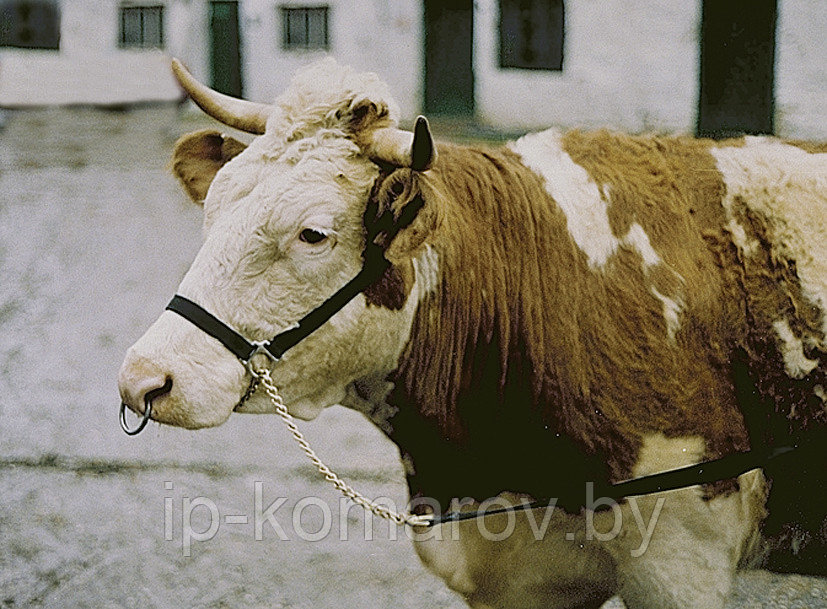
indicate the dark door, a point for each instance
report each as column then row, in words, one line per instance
column 225, row 48
column 449, row 76
column 737, row 61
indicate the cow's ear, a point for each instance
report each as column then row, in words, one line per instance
column 198, row 156
column 395, row 197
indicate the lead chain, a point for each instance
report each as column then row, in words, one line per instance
column 251, row 389
column 264, row 380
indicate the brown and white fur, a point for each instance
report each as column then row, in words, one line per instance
column 571, row 307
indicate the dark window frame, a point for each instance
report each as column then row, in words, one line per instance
column 142, row 10
column 16, row 31
column 301, row 40
column 516, row 48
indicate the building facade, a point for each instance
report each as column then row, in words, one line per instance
column 709, row 66
column 101, row 52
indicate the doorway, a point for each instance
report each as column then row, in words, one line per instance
column 737, row 67
column 449, row 40
column 225, row 48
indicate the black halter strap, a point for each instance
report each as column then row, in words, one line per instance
column 375, row 264
column 277, row 346
column 213, row 326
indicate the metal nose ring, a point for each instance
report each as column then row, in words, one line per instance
column 147, row 415
column 151, row 395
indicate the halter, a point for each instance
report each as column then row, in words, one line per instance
column 275, row 348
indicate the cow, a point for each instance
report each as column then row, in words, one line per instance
column 569, row 309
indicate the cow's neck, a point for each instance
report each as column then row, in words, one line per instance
column 475, row 402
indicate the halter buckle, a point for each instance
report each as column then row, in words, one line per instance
column 260, row 349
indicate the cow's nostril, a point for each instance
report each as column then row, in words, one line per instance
column 140, row 380
column 159, row 391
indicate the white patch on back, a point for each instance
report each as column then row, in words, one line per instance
column 585, row 205
column 671, row 313
column 787, row 186
column 638, row 240
column 796, row 363
column 746, row 244
column 576, row 194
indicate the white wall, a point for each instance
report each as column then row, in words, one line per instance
column 89, row 68
column 801, row 69
column 188, row 29
column 629, row 64
column 381, row 36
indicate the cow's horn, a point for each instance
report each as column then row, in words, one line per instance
column 423, row 151
column 403, row 148
column 237, row 113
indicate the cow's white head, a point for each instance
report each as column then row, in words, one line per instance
column 285, row 227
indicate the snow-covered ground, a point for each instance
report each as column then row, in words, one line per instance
column 94, row 237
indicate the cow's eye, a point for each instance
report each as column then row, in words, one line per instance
column 311, row 236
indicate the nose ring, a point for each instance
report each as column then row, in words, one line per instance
column 151, row 395
column 144, row 420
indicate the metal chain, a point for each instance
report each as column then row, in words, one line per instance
column 251, row 389
column 264, row 380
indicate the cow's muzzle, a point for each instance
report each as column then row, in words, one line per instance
column 147, row 414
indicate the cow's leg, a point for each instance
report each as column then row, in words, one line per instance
column 694, row 547
column 672, row 576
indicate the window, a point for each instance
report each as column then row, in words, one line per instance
column 142, row 27
column 305, row 28
column 29, row 24
column 531, row 34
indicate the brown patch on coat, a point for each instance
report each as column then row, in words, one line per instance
column 393, row 287
column 785, row 411
column 670, row 184
column 198, row 156
column 771, row 291
column 392, row 194
column 670, row 187
column 757, row 290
